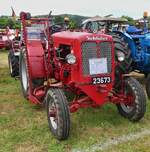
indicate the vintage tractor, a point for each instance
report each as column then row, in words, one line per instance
column 4, row 39
column 53, row 62
column 139, row 42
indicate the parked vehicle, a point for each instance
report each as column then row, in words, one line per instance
column 53, row 61
column 4, row 39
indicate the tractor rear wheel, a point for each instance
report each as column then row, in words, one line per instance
column 23, row 74
column 123, row 66
column 13, row 62
column 148, row 86
column 135, row 110
column 58, row 113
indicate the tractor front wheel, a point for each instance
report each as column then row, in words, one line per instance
column 58, row 113
column 135, row 110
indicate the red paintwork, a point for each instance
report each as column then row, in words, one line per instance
column 75, row 39
column 36, row 59
column 39, row 59
column 2, row 44
column 5, row 40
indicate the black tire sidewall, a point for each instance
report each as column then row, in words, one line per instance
column 13, row 62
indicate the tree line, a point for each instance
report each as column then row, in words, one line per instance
column 75, row 21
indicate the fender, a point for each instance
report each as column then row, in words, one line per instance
column 35, row 53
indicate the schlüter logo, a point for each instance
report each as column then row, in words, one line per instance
column 95, row 38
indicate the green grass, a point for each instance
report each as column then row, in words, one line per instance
column 24, row 127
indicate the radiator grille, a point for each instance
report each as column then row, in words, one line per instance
column 93, row 50
column 105, row 51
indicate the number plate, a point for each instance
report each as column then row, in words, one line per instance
column 101, row 80
column 98, row 66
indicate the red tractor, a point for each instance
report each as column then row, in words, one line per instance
column 53, row 61
column 4, row 39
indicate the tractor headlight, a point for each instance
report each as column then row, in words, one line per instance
column 121, row 56
column 71, row 59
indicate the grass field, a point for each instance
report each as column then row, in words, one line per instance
column 24, row 127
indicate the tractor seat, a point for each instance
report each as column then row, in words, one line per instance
column 134, row 30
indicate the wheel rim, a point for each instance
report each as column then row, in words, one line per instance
column 53, row 115
column 24, row 75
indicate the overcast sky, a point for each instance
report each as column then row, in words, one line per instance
column 133, row 8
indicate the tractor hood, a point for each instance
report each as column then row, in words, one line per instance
column 81, row 36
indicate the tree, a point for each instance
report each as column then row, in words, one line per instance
column 58, row 19
column 5, row 21
column 130, row 20
column 72, row 24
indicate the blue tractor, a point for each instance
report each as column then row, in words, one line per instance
column 139, row 44
column 137, row 39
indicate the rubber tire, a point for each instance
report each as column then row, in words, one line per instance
column 139, row 108
column 147, row 85
column 21, row 61
column 124, row 67
column 63, row 125
column 13, row 62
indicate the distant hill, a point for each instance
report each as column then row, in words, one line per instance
column 77, row 18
